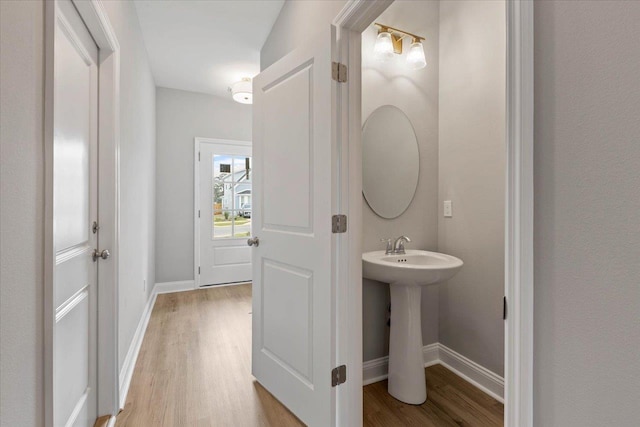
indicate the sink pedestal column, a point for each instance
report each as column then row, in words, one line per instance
column 406, row 364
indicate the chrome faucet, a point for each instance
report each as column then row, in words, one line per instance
column 398, row 245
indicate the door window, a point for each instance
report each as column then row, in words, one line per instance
column 231, row 198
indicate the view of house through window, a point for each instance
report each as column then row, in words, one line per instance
column 231, row 196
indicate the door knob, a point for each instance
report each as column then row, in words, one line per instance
column 104, row 254
column 253, row 241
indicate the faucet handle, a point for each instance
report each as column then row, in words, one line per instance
column 389, row 248
column 398, row 245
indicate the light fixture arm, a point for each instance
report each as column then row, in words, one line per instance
column 392, row 30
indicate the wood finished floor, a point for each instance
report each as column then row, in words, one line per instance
column 194, row 369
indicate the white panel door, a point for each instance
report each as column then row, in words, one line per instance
column 74, row 210
column 293, row 299
column 225, row 192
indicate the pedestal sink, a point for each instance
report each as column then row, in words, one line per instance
column 406, row 275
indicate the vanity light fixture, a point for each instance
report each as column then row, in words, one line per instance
column 242, row 91
column 389, row 42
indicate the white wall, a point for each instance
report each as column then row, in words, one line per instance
column 137, row 172
column 416, row 93
column 298, row 20
column 21, row 213
column 587, row 213
column 182, row 116
column 22, row 206
column 472, row 175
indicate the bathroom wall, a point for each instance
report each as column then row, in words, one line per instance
column 416, row 93
column 182, row 116
column 472, row 175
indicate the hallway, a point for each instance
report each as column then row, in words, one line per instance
column 194, row 367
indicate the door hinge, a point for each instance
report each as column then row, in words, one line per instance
column 198, row 270
column 339, row 223
column 198, row 213
column 339, row 72
column 504, row 308
column 95, row 227
column 338, row 375
column 198, row 156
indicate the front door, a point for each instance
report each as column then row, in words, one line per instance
column 75, row 205
column 293, row 287
column 224, row 178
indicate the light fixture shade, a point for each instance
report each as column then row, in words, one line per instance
column 242, row 91
column 383, row 49
column 415, row 57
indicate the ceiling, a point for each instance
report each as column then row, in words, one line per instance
column 205, row 46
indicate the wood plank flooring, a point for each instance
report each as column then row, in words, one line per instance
column 451, row 401
column 194, row 369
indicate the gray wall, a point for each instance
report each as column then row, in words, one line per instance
column 472, row 176
column 182, row 116
column 22, row 207
column 297, row 21
column 416, row 93
column 137, row 172
column 587, row 213
column 21, row 213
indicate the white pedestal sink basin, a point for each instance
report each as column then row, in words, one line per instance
column 406, row 274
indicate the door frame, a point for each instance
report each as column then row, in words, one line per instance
column 196, row 196
column 100, row 28
column 354, row 18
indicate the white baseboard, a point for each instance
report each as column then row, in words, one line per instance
column 112, row 422
column 134, row 348
column 168, row 287
column 487, row 381
column 132, row 355
column 376, row 370
column 482, row 378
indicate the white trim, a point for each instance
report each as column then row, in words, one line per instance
column 433, row 354
column 93, row 14
column 481, row 377
column 112, row 421
column 196, row 195
column 519, row 216
column 129, row 364
column 169, row 287
column 376, row 370
column 350, row 22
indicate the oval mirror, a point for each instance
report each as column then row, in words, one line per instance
column 391, row 161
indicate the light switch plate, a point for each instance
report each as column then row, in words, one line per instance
column 448, row 209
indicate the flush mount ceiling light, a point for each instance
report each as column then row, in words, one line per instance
column 242, row 91
column 389, row 42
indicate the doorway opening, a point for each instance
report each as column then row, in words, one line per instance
column 433, row 166
column 518, row 229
